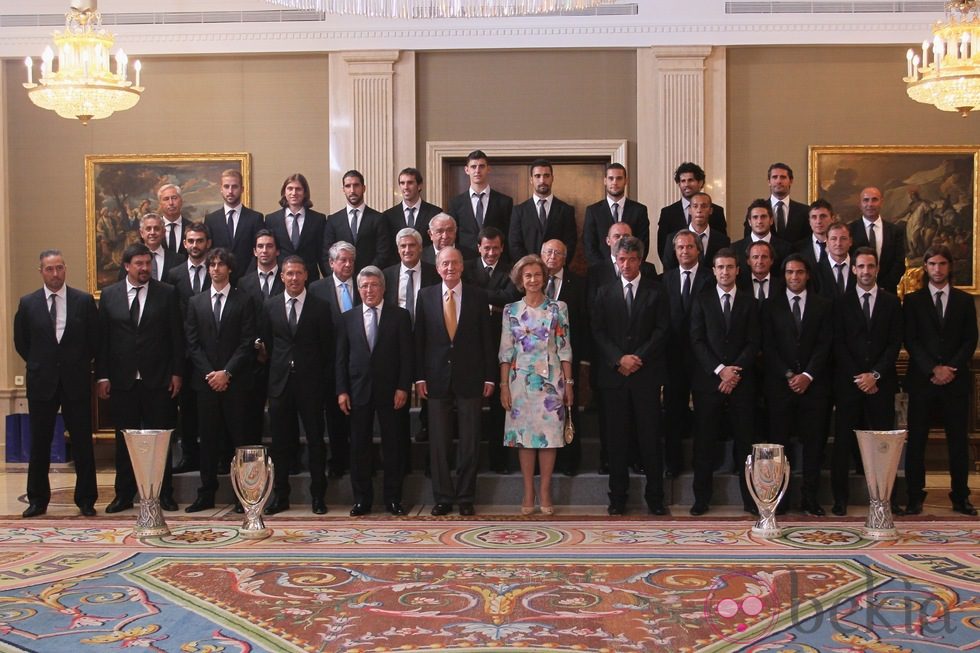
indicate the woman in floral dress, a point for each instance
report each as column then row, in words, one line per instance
column 535, row 361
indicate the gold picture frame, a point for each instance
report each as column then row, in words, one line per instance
column 931, row 190
column 120, row 188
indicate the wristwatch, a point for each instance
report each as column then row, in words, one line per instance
column 875, row 375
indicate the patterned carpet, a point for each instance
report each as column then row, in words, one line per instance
column 600, row 585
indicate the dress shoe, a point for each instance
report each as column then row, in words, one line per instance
column 699, row 508
column 813, row 509
column 185, row 465
column 88, row 510
column 503, row 470
column 547, row 511
column 964, row 507
column 395, row 508
column 200, row 503
column 224, row 467
column 752, row 509
column 360, row 509
column 669, row 473
column 897, row 510
column 839, row 509
column 638, row 468
column 914, row 508
column 318, row 506
column 466, row 509
column 276, row 505
column 168, row 504
column 604, row 468
column 336, row 472
column 34, row 510
column 422, row 435
column 657, row 509
column 239, row 509
column 571, row 470
column 616, row 509
column 118, row 505
column 528, row 510
column 441, row 509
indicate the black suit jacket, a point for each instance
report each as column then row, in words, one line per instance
column 429, row 278
column 374, row 244
column 251, row 285
column 825, row 280
column 51, row 363
column 930, row 343
column 786, row 352
column 429, row 253
column 781, row 247
column 891, row 267
column 395, row 218
column 858, row 349
column 527, row 235
column 250, row 222
column 229, row 346
column 498, row 286
column 716, row 240
column 368, row 375
column 458, row 367
column 797, row 223
column 713, row 345
column 499, row 209
column 673, row 219
column 679, row 348
column 310, row 241
column 155, row 348
column 181, row 252
column 642, row 332
column 179, row 277
column 307, row 355
column 574, row 292
column 598, row 219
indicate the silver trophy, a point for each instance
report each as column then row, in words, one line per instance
column 880, row 455
column 252, row 473
column 148, row 451
column 767, row 477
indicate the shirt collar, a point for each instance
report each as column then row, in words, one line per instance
column 693, row 270
column 300, row 298
column 130, row 286
column 934, row 289
column 868, row 223
column 237, row 209
column 767, row 238
column 790, row 295
column 360, row 208
column 731, row 293
column 337, row 281
column 417, row 267
column 456, row 291
column 476, row 193
column 274, row 271
column 365, row 308
column 873, row 291
column 406, row 206
column 62, row 293
column 223, row 292
column 299, row 214
column 635, row 282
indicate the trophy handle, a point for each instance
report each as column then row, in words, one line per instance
column 748, row 480
column 234, row 476
column 269, row 480
column 784, row 483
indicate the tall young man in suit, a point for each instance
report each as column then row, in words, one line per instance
column 941, row 336
column 479, row 206
column 836, row 277
column 360, row 225
column 759, row 217
column 790, row 218
column 614, row 207
column 375, row 365
column 456, row 366
column 56, row 332
column 887, row 239
column 298, row 336
column 690, row 179
column 711, row 239
column 140, row 364
column 867, row 338
column 170, row 206
column 234, row 226
column 412, row 212
column 814, row 249
column 220, row 327
column 541, row 217
column 630, row 323
column 297, row 227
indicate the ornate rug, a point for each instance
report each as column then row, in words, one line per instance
column 601, row 586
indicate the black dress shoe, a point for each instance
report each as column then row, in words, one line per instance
column 441, row 509
column 34, row 510
column 336, row 472
column 395, row 508
column 638, row 468
column 318, row 506
column 699, row 508
column 422, row 435
column 88, row 510
column 186, row 465
column 360, row 509
column 839, row 509
column 571, row 470
column 897, row 510
column 276, row 505
column 657, row 509
column 669, row 473
column 752, row 509
column 964, row 507
column 466, row 509
column 168, row 504
column 604, row 468
column 200, row 504
column 239, row 509
column 813, row 509
column 616, row 509
column 118, row 505
column 914, row 508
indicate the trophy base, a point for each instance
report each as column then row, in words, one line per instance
column 880, row 533
column 143, row 532
column 259, row 534
column 767, row 532
column 150, row 521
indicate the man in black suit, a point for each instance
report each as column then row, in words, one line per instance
column 298, row 339
column 170, row 205
column 725, row 341
column 797, row 333
column 867, row 338
column 375, row 364
column 161, row 258
column 140, row 363
column 491, row 272
column 220, row 327
column 442, row 234
column 234, row 226
column 479, row 206
column 456, row 366
column 542, row 217
column 689, row 178
column 614, row 207
column 940, row 335
column 762, row 282
column 835, row 277
column 297, row 227
column 359, row 225
column 56, row 332
column 682, row 285
column 759, row 217
column 630, row 323
column 886, row 238
column 814, row 249
column 790, row 218
column 412, row 212
column 712, row 240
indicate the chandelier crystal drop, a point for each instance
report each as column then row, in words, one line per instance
column 949, row 76
column 82, row 85
column 442, row 8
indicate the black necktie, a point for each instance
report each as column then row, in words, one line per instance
column 353, row 223
column 172, row 238
column 872, row 238
column 823, row 251
column 134, row 308
column 542, row 216
column 841, row 286
column 797, row 315
column 686, row 290
column 615, row 211
column 217, row 309
column 54, row 313
column 726, row 310
column 760, row 292
column 939, row 306
column 410, row 294
column 629, row 298
column 294, row 236
column 231, row 225
column 293, row 320
column 780, row 217
column 479, row 208
column 867, row 309
column 196, row 281
column 410, row 220
column 265, row 282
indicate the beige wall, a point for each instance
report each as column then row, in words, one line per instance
column 783, row 99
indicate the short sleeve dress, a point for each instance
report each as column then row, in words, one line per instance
column 535, row 341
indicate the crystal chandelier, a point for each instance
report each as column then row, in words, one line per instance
column 83, row 86
column 442, row 8
column 950, row 79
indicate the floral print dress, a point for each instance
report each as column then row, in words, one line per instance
column 534, row 341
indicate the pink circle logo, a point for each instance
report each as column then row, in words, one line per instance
column 741, row 608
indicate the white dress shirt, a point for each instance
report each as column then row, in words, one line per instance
column 61, row 305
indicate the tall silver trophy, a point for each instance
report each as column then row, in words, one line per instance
column 767, row 477
column 252, row 474
column 881, row 452
column 148, row 451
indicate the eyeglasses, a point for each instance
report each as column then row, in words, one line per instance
column 552, row 252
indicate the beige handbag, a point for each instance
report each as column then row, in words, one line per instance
column 569, row 426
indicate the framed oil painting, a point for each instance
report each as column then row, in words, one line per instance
column 119, row 189
column 931, row 191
